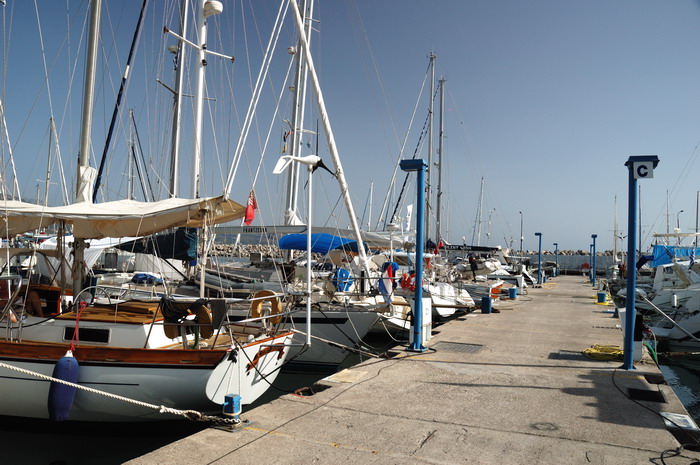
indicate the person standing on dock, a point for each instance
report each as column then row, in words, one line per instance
column 473, row 265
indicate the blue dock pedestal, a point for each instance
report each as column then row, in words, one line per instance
column 486, row 304
column 512, row 292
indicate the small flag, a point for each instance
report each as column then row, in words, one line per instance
column 407, row 219
column 437, row 249
column 250, row 208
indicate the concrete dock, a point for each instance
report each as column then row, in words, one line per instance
column 503, row 388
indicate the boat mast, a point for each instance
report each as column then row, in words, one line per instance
column 438, row 229
column 297, row 122
column 697, row 209
column 88, row 102
column 199, row 97
column 130, row 165
column 85, row 173
column 48, row 165
column 668, row 216
column 340, row 175
column 120, row 94
column 615, row 234
column 59, row 162
column 177, row 103
column 15, row 184
column 429, row 170
column 369, row 215
column 477, row 221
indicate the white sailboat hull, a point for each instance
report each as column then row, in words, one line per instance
column 139, row 375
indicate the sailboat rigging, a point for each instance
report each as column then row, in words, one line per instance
column 184, row 352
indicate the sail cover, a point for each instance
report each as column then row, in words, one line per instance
column 320, row 242
column 180, row 244
column 119, row 218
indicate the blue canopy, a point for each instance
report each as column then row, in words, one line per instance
column 320, row 242
column 663, row 254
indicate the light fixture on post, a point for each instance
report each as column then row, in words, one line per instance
column 521, row 237
column 417, row 333
column 593, row 266
column 638, row 167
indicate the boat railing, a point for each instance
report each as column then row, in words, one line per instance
column 10, row 288
column 671, row 320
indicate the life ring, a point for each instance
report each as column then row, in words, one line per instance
column 203, row 318
column 256, row 306
column 174, row 323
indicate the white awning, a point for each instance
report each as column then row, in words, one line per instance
column 119, row 218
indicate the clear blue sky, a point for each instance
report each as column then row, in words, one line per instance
column 545, row 100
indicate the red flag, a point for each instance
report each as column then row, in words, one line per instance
column 437, row 249
column 250, row 208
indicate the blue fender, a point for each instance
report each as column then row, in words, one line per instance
column 61, row 395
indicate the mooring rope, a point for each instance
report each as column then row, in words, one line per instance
column 193, row 415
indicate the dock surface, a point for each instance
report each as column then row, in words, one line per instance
column 503, row 388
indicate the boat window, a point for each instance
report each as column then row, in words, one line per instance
column 88, row 335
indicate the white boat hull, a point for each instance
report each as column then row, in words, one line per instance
column 180, row 384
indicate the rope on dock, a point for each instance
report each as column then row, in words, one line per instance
column 604, row 352
column 193, row 415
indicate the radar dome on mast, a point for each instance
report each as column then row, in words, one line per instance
column 213, row 7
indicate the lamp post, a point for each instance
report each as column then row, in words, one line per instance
column 593, row 266
column 420, row 167
column 521, row 237
column 590, row 262
column 556, row 259
column 678, row 221
column 539, row 260
column 639, row 167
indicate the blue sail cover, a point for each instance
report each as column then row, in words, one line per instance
column 664, row 254
column 320, row 243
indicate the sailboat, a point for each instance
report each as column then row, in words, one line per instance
column 126, row 360
column 340, row 320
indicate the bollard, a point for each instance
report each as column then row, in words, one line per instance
column 486, row 304
column 232, row 406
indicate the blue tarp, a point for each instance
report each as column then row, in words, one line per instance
column 320, row 242
column 663, row 254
